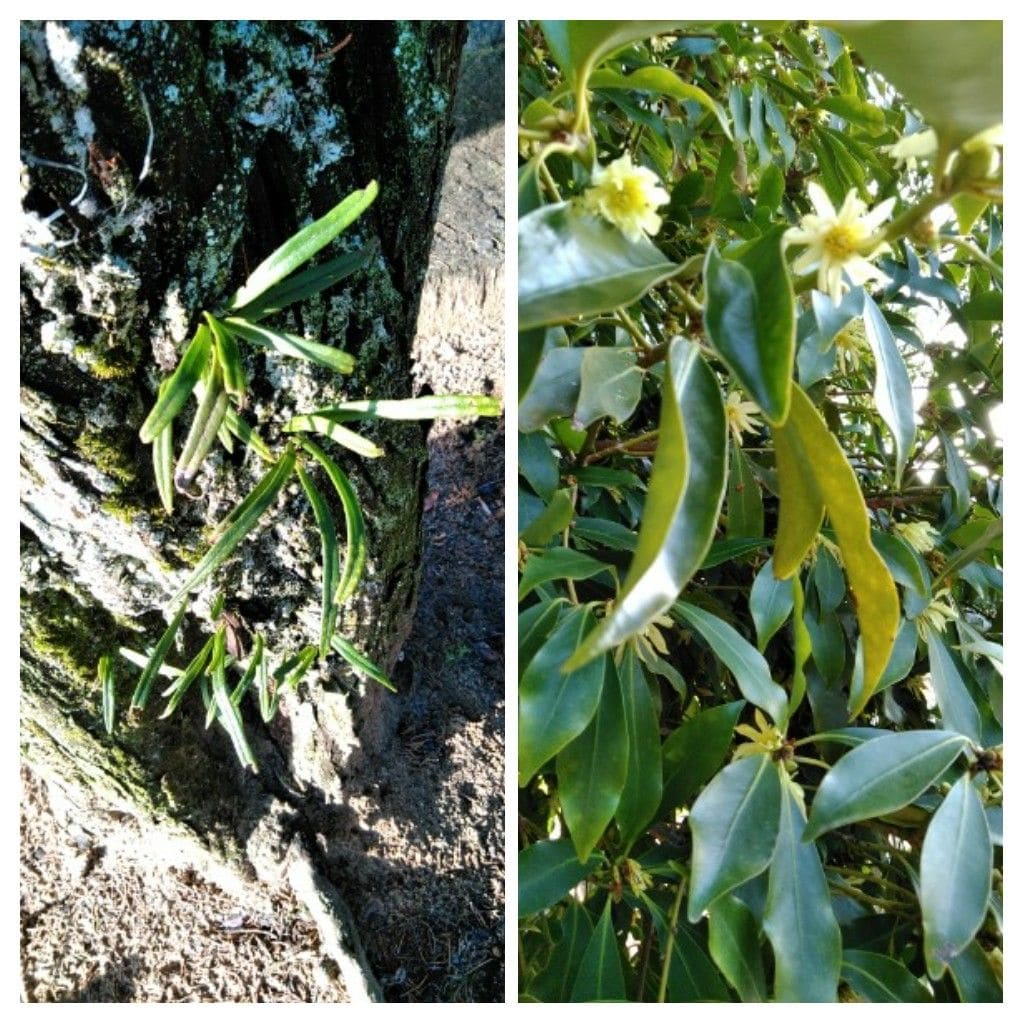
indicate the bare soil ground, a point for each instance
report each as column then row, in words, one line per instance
column 424, row 866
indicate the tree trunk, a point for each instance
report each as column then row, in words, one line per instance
column 161, row 162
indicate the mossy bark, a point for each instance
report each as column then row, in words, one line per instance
column 161, row 161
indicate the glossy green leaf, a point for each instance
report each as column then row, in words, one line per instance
column 959, row 712
column 246, row 434
column 533, row 628
column 828, row 580
column 974, row 978
column 429, row 407
column 903, row 562
column 798, row 917
column 953, row 73
column 250, row 510
column 530, row 196
column 744, row 506
column 681, row 511
column 641, row 790
column 303, row 245
column 828, row 645
column 904, row 654
column 958, row 477
column 694, row 752
column 802, row 647
column 880, row 776
column 558, row 564
column 989, row 539
column 163, row 460
column 855, row 110
column 733, row 940
column 574, row 263
column 579, row 46
column 722, row 551
column 750, row 319
column 530, row 348
column 592, row 769
column 331, row 428
column 734, row 823
column 556, row 706
column 108, row 694
column 880, row 979
column 547, row 871
column 228, row 356
column 555, row 389
column 956, row 875
column 801, row 506
column 771, row 188
column 361, row 663
column 893, row 396
column 179, row 385
column 551, row 519
column 538, row 464
column 330, row 566
column 742, row 659
column 600, row 977
column 305, row 284
column 771, row 602
column 554, row 982
column 604, row 533
column 291, row 345
column 661, row 82
column 355, row 526
column 824, row 475
column 610, row 383
column 156, row 659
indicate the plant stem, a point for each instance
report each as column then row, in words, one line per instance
column 621, row 446
column 670, row 942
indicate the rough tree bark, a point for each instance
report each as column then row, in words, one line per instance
column 160, row 162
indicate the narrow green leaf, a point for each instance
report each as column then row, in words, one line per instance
column 604, row 533
column 429, row 407
column 555, row 706
column 361, row 663
column 735, row 947
column 600, row 977
column 880, row 979
column 246, row 434
column 179, row 385
column 163, row 459
column 958, row 477
column 798, row 917
column 893, row 396
column 105, row 677
column 303, row 245
column 824, row 475
column 230, row 359
column 538, row 464
column 641, row 791
column 291, row 345
column 855, row 110
column 305, row 284
column 574, row 263
column 330, row 564
column 250, row 672
column 956, row 875
column 661, row 82
column 801, row 506
column 802, row 648
column 959, row 712
column 268, row 706
column 226, row 438
column 771, row 602
column 547, row 871
column 177, row 690
column 731, row 550
column 259, row 500
column 156, row 659
column 742, row 659
column 610, row 383
column 332, row 429
column 552, row 518
column 734, row 823
column 903, row 562
column 213, row 403
column 355, row 526
column 592, row 769
column 681, row 511
column 751, row 321
column 694, row 752
column 744, row 506
column 227, row 713
column 974, row 978
column 880, row 776
column 558, row 564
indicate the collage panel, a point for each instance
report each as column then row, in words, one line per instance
column 760, row 494
column 262, row 511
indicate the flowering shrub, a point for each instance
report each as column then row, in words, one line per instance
column 760, row 512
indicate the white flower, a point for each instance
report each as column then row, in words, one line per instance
column 851, row 343
column 836, row 241
column 627, row 196
column 741, row 416
column 919, row 535
column 936, row 615
column 910, row 148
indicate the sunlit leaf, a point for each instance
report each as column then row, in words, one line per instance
column 547, row 871
column 179, row 385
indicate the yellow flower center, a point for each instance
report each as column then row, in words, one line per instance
column 842, row 242
column 629, row 197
